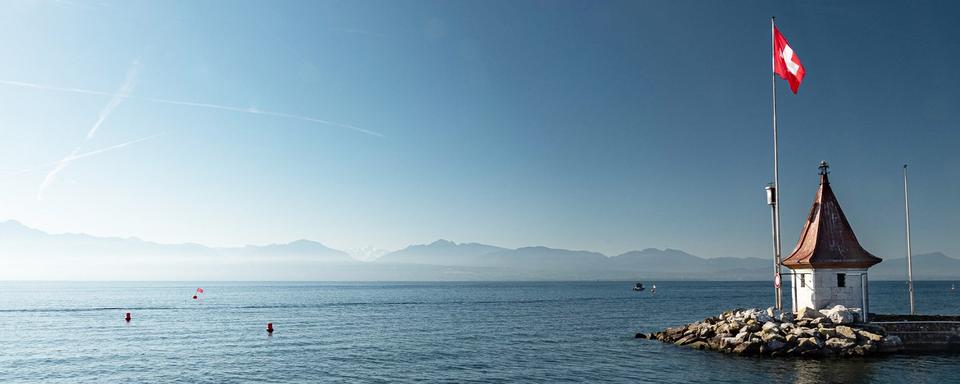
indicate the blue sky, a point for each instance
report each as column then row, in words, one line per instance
column 606, row 126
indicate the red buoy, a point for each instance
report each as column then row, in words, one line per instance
column 269, row 327
column 127, row 317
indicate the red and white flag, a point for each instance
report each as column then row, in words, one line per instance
column 785, row 61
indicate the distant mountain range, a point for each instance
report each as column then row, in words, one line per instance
column 31, row 254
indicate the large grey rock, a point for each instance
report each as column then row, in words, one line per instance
column 774, row 345
column 828, row 332
column 714, row 342
column 785, row 317
column 840, row 343
column 730, row 342
column 846, row 332
column 768, row 336
column 699, row 345
column 674, row 333
column 723, row 328
column 770, row 326
column 791, row 339
column 706, row 331
column 870, row 336
column 773, row 313
column 809, row 343
column 747, row 348
column 762, row 317
column 686, row 340
column 857, row 314
column 821, row 321
column 808, row 313
column 839, row 315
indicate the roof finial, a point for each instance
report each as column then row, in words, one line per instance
column 824, row 167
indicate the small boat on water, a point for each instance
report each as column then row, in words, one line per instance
column 638, row 287
column 653, row 289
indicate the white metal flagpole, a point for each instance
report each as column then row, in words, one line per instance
column 776, row 171
column 906, row 208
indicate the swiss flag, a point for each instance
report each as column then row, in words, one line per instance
column 785, row 61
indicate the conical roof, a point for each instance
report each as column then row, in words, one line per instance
column 827, row 241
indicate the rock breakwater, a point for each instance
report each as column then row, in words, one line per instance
column 771, row 332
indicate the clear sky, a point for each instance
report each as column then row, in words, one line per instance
column 595, row 125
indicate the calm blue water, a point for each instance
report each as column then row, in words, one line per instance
column 407, row 332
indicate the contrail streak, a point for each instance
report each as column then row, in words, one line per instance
column 255, row 111
column 75, row 156
column 115, row 100
column 112, row 147
column 52, row 88
column 52, row 175
column 124, row 94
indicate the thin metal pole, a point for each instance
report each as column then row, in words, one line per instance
column 906, row 207
column 773, row 223
column 793, row 290
column 866, row 296
column 864, row 305
column 776, row 168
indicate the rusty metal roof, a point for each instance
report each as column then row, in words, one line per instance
column 827, row 241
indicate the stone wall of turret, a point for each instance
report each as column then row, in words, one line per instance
column 820, row 289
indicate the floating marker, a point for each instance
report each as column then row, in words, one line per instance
column 269, row 327
column 194, row 297
column 127, row 317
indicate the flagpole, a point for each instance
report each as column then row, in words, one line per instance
column 906, row 207
column 776, row 170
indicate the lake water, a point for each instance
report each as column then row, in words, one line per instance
column 408, row 332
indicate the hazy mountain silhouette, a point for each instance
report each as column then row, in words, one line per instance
column 552, row 263
column 32, row 254
column 443, row 252
column 927, row 266
column 28, row 253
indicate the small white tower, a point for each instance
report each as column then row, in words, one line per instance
column 829, row 265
